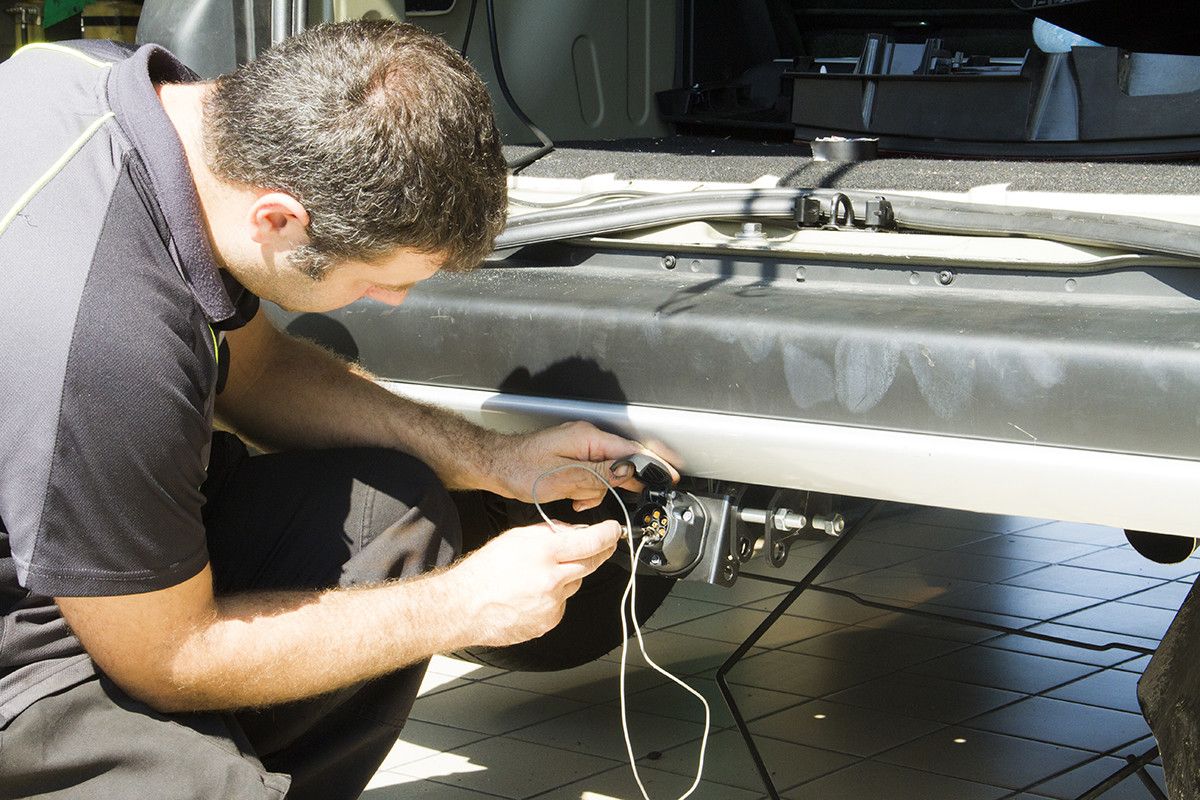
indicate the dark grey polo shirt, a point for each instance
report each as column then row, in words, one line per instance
column 110, row 312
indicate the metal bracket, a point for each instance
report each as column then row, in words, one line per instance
column 726, row 543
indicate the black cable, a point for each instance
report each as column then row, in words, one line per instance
column 470, row 24
column 547, row 147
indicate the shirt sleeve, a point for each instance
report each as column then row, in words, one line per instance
column 121, row 501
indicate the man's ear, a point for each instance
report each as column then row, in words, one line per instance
column 279, row 221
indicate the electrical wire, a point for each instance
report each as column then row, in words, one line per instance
column 462, row 51
column 518, row 164
column 629, row 603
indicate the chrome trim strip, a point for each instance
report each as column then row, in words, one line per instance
column 1126, row 491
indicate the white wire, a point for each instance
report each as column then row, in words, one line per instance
column 629, row 601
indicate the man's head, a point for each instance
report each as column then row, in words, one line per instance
column 381, row 137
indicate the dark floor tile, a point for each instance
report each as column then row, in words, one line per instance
column 914, row 534
column 1126, row 561
column 1017, row 601
column 867, row 554
column 847, row 729
column 1111, row 688
column 682, row 655
column 925, row 697
column 744, row 591
column 1078, row 781
column 1137, row 666
column 903, row 587
column 596, row 730
column 1078, row 532
column 872, row 645
column 728, row 761
column 507, row 767
column 669, row 700
column 871, row 779
column 618, row 784
column 930, row 627
column 1004, row 669
column 987, row 758
column 1030, row 548
column 595, row 682
column 967, row 520
column 488, row 708
column 676, row 609
column 1098, row 637
column 734, row 625
column 1168, row 595
column 1060, row 722
column 1065, row 652
column 1122, row 618
column 1083, row 582
column 968, row 566
column 803, row 674
column 820, row 605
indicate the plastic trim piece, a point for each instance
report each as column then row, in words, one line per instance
column 1125, row 491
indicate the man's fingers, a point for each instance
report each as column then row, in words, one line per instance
column 578, row 544
column 578, row 570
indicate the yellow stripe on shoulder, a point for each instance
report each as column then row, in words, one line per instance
column 71, row 51
column 54, row 169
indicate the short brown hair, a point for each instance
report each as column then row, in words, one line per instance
column 381, row 130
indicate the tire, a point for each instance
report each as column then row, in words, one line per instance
column 591, row 625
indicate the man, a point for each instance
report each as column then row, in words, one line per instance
column 184, row 623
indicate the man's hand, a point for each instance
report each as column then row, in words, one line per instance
column 523, row 458
column 519, row 582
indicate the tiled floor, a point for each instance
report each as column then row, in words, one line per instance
column 847, row 701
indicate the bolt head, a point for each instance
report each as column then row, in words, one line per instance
column 669, row 261
column 945, row 277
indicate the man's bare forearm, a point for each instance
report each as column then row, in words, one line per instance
column 247, row 654
column 293, row 394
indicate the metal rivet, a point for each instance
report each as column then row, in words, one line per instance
column 668, row 262
column 1070, row 284
column 914, row 278
column 801, row 274
column 695, row 266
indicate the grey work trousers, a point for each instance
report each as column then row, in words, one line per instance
column 303, row 520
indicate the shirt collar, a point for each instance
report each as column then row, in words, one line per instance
column 133, row 99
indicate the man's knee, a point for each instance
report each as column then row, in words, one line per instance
column 118, row 747
column 407, row 515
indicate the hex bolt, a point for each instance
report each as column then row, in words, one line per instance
column 832, row 525
column 669, row 261
column 946, row 277
column 787, row 520
column 750, row 230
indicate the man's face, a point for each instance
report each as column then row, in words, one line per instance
column 387, row 281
